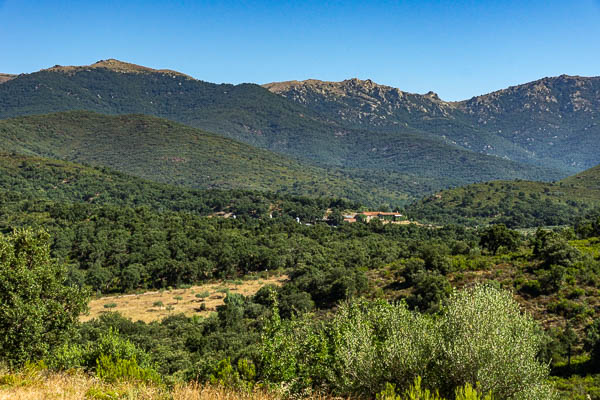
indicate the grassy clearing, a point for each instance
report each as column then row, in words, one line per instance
column 195, row 300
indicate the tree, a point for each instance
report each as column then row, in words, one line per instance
column 486, row 341
column 430, row 289
column 37, row 308
column 499, row 235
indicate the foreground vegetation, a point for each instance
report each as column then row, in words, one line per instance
column 272, row 339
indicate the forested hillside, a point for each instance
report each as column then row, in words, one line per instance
column 254, row 115
column 163, row 151
column 514, row 203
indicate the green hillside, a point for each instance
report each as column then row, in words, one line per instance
column 256, row 116
column 163, row 151
column 28, row 178
column 589, row 179
column 514, row 203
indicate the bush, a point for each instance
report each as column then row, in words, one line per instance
column 497, row 236
column 113, row 370
column 481, row 339
column 487, row 341
column 416, row 392
column 108, row 344
column 430, row 289
column 37, row 308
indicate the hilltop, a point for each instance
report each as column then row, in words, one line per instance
column 514, row 203
column 117, row 66
column 6, row 77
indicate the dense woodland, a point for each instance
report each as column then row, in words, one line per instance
column 115, row 248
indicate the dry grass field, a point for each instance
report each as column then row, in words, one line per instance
column 76, row 386
column 42, row 384
column 195, row 300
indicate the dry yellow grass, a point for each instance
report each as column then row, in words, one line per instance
column 77, row 385
column 142, row 307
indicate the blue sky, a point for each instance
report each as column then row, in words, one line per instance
column 456, row 48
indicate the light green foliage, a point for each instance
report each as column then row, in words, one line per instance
column 109, row 344
column 481, row 339
column 112, row 370
column 417, row 392
column 37, row 308
column 487, row 341
column 376, row 342
column 468, row 392
column 414, row 392
column 240, row 376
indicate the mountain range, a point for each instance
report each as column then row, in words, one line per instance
column 394, row 144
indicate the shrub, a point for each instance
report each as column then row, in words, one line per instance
column 37, row 308
column 113, row 370
column 497, row 236
column 430, row 289
column 487, row 341
column 480, row 339
column 109, row 344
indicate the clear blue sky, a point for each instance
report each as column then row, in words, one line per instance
column 456, row 48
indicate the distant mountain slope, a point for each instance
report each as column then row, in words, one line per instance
column 514, row 203
column 372, row 106
column 554, row 117
column 254, row 115
column 552, row 122
column 164, row 151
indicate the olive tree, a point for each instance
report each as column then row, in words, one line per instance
column 37, row 308
column 487, row 341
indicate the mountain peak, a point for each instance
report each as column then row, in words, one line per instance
column 6, row 77
column 116, row 66
column 326, row 86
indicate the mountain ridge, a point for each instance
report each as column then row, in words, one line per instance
column 116, row 66
column 6, row 77
column 253, row 115
column 523, row 122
